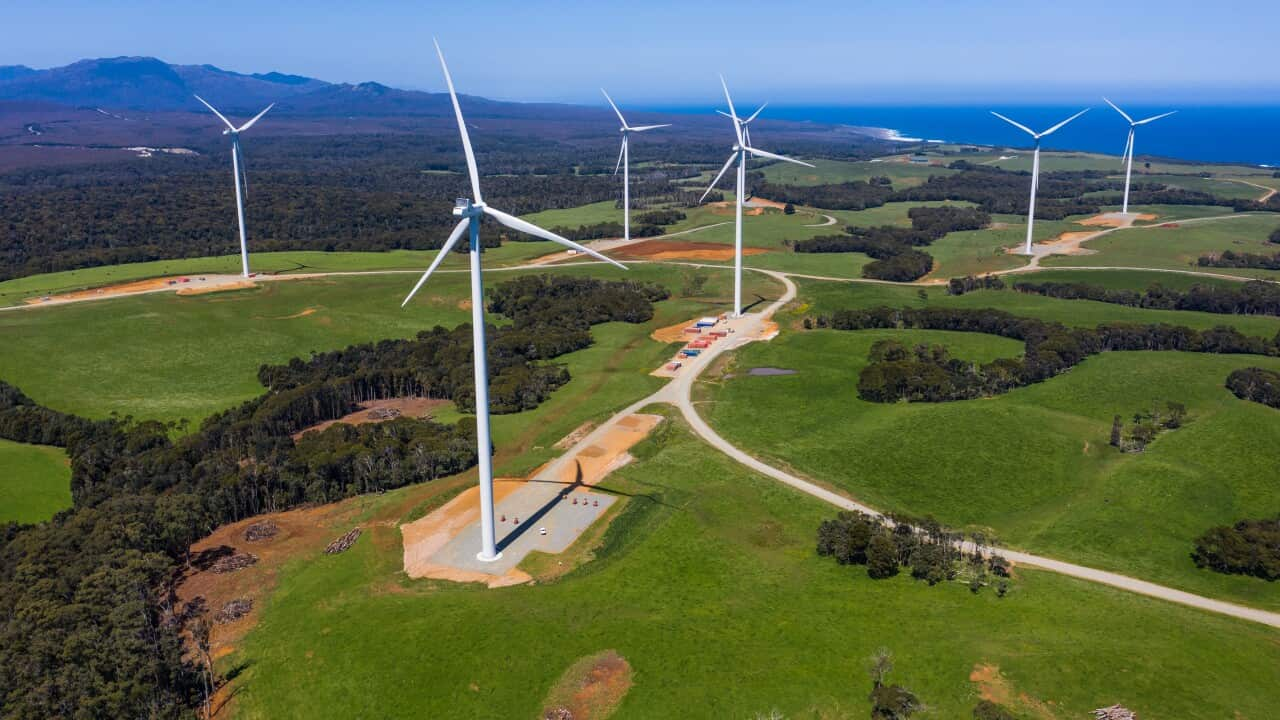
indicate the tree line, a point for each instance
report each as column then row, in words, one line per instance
column 893, row 248
column 1256, row 297
column 1233, row 259
column 929, row 374
column 89, row 622
column 884, row 546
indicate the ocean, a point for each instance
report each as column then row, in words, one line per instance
column 1211, row 134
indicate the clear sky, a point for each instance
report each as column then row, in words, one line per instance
column 657, row 52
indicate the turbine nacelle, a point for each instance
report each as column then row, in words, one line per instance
column 463, row 207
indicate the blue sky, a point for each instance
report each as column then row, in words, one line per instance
column 657, row 52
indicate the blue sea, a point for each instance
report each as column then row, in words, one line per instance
column 1215, row 134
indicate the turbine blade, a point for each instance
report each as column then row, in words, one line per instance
column 642, row 128
column 622, row 149
column 1128, row 147
column 615, row 107
column 771, row 156
column 724, row 113
column 712, row 186
column 1020, row 126
column 255, row 119
column 754, row 114
column 444, row 252
column 215, row 112
column 737, row 127
column 1157, row 117
column 1123, row 114
column 1057, row 127
column 746, row 134
column 516, row 223
column 462, row 128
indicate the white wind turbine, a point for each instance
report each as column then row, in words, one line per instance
column 624, row 162
column 1128, row 147
column 472, row 210
column 741, row 148
column 237, row 169
column 1035, row 165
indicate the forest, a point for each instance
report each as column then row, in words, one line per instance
column 349, row 194
column 1255, row 297
column 89, row 626
column 929, row 374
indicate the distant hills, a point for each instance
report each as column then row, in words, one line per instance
column 151, row 85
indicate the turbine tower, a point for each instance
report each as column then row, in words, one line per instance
column 238, row 171
column 471, row 211
column 1128, row 147
column 1035, row 165
column 741, row 149
column 624, row 162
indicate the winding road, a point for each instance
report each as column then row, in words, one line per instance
column 749, row 328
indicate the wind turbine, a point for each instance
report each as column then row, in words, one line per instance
column 624, row 162
column 237, row 170
column 1035, row 165
column 1128, row 147
column 472, row 210
column 741, row 148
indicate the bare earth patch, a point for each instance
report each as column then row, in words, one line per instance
column 727, row 208
column 677, row 250
column 221, row 287
column 1116, row 219
column 673, row 333
column 994, row 687
column 591, row 689
column 375, row 411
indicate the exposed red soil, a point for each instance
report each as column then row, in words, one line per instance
column 413, row 407
column 678, row 250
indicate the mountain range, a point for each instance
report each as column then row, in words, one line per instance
column 151, row 85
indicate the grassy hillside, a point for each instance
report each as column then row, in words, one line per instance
column 708, row 580
column 167, row 357
column 1032, row 465
column 35, row 482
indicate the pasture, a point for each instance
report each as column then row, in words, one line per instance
column 1033, row 465
column 1178, row 247
column 167, row 357
column 708, row 579
column 35, row 482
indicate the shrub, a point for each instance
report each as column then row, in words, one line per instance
column 1250, row 547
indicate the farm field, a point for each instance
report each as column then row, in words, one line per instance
column 35, row 482
column 825, row 172
column 1178, row 248
column 708, row 578
column 824, row 297
column 167, row 357
column 1033, row 465
column 14, row 292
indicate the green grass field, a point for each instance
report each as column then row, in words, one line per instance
column 824, row 297
column 167, row 357
column 13, row 292
column 35, row 482
column 1178, row 248
column 707, row 582
column 1033, row 465
column 827, row 172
